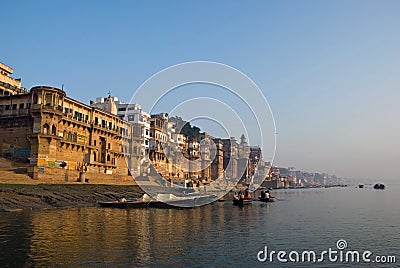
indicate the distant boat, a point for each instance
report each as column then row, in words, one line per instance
column 242, row 202
column 361, row 186
column 379, row 186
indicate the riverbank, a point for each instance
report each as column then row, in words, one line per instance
column 17, row 197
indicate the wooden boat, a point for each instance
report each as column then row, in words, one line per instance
column 131, row 204
column 265, row 199
column 242, row 202
column 163, row 201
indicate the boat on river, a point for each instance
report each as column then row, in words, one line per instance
column 130, row 204
column 266, row 199
column 160, row 201
column 242, row 202
column 379, row 186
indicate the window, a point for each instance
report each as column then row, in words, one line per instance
column 94, row 156
column 14, row 107
column 95, row 142
column 21, row 105
column 48, row 99
column 45, row 129
column 109, row 146
column 108, row 158
column 35, row 98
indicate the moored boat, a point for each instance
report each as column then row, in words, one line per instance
column 161, row 201
column 131, row 204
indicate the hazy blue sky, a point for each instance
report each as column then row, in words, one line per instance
column 330, row 69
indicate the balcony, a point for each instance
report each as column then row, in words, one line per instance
column 46, row 108
column 14, row 113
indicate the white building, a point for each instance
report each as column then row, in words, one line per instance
column 180, row 140
column 132, row 113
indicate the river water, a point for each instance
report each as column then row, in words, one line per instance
column 216, row 235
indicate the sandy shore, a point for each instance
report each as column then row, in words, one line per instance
column 17, row 197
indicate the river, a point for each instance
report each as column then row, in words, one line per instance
column 216, row 235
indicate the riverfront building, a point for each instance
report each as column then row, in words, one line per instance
column 63, row 139
column 60, row 136
column 8, row 85
column 139, row 122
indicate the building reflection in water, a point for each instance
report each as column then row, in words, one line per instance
column 127, row 237
column 15, row 239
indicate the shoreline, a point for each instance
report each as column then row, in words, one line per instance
column 20, row 197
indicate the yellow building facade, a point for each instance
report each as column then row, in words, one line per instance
column 56, row 133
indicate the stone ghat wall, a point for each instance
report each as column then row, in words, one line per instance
column 58, row 175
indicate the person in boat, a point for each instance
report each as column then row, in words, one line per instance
column 123, row 200
column 241, row 195
column 236, row 196
column 267, row 195
column 262, row 194
column 248, row 195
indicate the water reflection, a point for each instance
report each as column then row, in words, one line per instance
column 15, row 239
column 135, row 236
column 216, row 235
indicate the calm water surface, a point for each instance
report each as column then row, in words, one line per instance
column 217, row 235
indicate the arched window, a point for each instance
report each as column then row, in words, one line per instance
column 94, row 157
column 45, row 129
column 70, row 136
column 74, row 137
column 53, row 130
